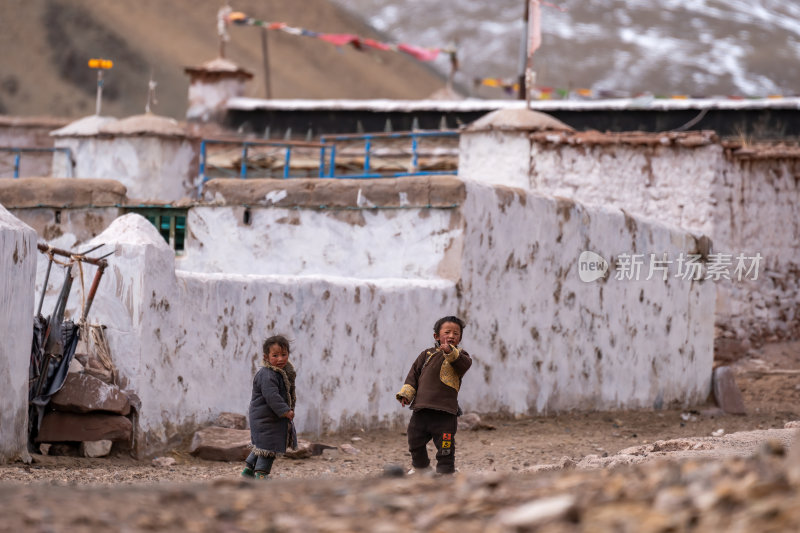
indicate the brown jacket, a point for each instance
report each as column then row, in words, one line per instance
column 435, row 378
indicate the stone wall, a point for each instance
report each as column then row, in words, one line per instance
column 64, row 212
column 154, row 169
column 18, row 267
column 689, row 180
column 188, row 343
column 29, row 132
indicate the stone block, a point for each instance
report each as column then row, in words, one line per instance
column 83, row 393
column 231, row 421
column 221, row 444
column 71, row 427
column 726, row 392
column 95, row 368
column 97, row 448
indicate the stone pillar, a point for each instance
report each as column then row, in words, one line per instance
column 211, row 85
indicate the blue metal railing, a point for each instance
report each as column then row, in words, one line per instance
column 327, row 154
column 368, row 139
column 288, row 146
column 19, row 151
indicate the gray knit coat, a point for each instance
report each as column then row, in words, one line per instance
column 273, row 396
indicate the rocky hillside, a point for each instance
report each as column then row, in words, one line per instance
column 46, row 45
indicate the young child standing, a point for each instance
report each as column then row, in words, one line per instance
column 431, row 389
column 271, row 409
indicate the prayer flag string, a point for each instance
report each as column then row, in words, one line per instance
column 340, row 39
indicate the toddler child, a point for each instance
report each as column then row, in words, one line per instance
column 431, row 389
column 271, row 409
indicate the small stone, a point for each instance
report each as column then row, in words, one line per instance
column 75, row 366
column 534, row 513
column 726, row 393
column 163, row 462
column 468, row 421
column 392, row 470
column 97, row 448
column 718, row 433
column 221, row 444
column 349, row 449
column 791, row 425
column 231, row 421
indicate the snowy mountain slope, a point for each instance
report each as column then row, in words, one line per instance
column 692, row 47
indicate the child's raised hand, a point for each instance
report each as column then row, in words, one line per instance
column 403, row 401
column 446, row 348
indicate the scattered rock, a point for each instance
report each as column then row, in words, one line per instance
column 472, row 421
column 163, row 462
column 221, row 444
column 393, row 471
column 792, row 424
column 726, row 393
column 71, row 427
column 231, row 421
column 303, row 450
column 349, row 449
column 793, row 459
column 64, row 449
column 98, row 448
column 536, row 512
column 75, row 366
column 94, row 367
column 718, row 433
column 468, row 421
column 83, row 393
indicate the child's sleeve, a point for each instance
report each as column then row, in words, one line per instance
column 409, row 389
column 459, row 360
column 272, row 395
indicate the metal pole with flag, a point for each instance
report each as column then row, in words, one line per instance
column 534, row 41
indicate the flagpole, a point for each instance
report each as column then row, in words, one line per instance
column 523, row 53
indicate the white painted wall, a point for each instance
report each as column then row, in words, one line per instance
column 18, row 267
column 188, row 343
column 393, row 243
column 208, row 100
column 158, row 169
column 546, row 341
column 745, row 207
column 495, row 157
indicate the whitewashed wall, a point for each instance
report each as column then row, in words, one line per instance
column 546, row 341
column 188, row 343
column 745, row 207
column 18, row 267
column 208, row 101
column 383, row 243
column 76, row 226
column 158, row 169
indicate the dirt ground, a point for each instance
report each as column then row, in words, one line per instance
column 328, row 492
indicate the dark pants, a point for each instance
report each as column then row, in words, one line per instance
column 427, row 424
column 259, row 463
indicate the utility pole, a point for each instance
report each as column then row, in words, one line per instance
column 265, row 59
column 100, row 65
column 523, row 53
column 222, row 27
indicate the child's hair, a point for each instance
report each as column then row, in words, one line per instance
column 280, row 340
column 453, row 319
